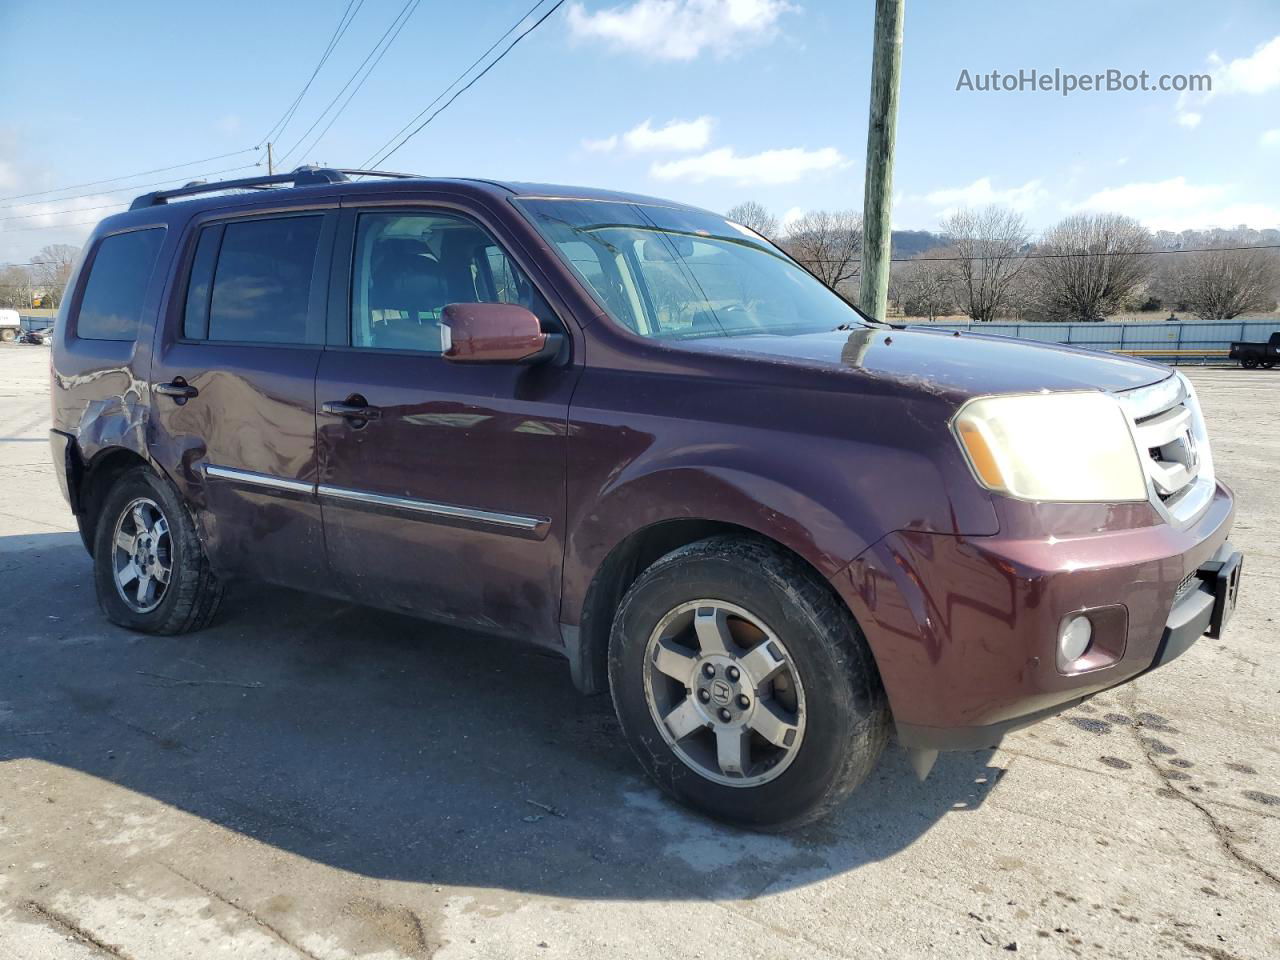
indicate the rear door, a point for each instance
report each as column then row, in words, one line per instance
column 451, row 502
column 233, row 396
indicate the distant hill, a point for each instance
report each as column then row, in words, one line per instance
column 908, row 243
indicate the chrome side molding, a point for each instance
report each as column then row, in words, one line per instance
column 511, row 521
column 252, row 479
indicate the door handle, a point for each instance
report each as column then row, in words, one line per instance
column 178, row 389
column 353, row 408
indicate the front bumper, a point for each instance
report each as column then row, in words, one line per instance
column 964, row 629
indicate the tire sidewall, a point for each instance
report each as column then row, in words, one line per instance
column 834, row 708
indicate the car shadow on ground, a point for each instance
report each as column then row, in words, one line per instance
column 398, row 749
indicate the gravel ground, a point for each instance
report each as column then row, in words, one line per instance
column 314, row 779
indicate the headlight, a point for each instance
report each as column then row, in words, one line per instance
column 1068, row 447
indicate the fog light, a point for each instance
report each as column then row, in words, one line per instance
column 1073, row 639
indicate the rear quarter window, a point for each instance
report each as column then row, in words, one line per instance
column 111, row 306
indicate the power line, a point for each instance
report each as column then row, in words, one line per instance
column 367, row 75
column 52, row 226
column 54, row 213
column 315, row 123
column 391, row 139
column 343, row 23
column 132, row 186
column 130, row 176
column 493, row 63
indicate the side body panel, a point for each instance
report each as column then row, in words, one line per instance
column 101, row 388
column 242, row 452
column 451, row 504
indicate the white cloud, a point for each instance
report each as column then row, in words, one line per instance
column 680, row 29
column 768, row 167
column 1176, row 204
column 1258, row 73
column 1255, row 74
column 676, row 135
column 789, row 218
column 981, row 193
column 606, row 145
column 1270, row 138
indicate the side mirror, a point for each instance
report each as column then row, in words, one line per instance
column 495, row 333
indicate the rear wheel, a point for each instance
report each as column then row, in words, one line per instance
column 8, row 335
column 1248, row 362
column 150, row 570
column 744, row 687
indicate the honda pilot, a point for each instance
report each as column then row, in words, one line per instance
column 776, row 531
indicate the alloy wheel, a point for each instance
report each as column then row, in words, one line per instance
column 724, row 693
column 142, row 555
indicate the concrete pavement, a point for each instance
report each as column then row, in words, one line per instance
column 314, row 779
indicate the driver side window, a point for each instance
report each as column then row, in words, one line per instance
column 409, row 266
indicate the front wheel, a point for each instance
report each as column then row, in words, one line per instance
column 744, row 686
column 150, row 569
column 1248, row 362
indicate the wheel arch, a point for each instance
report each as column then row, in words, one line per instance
column 96, row 477
column 587, row 643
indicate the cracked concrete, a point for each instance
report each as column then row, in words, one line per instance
column 311, row 779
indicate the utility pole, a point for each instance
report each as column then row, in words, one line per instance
column 877, row 225
column 270, row 165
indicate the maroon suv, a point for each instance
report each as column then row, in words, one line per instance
column 641, row 435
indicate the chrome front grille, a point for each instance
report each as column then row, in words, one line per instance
column 1169, row 431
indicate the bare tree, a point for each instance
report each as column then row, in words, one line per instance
column 990, row 247
column 1089, row 262
column 829, row 243
column 925, row 285
column 16, row 287
column 1219, row 284
column 756, row 216
column 53, row 269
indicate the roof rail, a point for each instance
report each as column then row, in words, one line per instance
column 301, row 177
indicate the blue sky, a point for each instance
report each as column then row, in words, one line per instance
column 768, row 99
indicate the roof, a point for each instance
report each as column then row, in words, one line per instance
column 172, row 206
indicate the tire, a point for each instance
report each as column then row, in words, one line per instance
column 829, row 690
column 189, row 598
column 8, row 335
column 1248, row 362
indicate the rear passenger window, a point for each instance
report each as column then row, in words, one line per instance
column 111, row 306
column 251, row 281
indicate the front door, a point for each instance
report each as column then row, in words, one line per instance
column 233, row 396
column 448, row 498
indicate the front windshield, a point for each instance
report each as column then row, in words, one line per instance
column 676, row 273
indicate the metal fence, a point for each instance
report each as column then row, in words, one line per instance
column 1183, row 341
column 27, row 322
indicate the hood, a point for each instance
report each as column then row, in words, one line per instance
column 968, row 364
